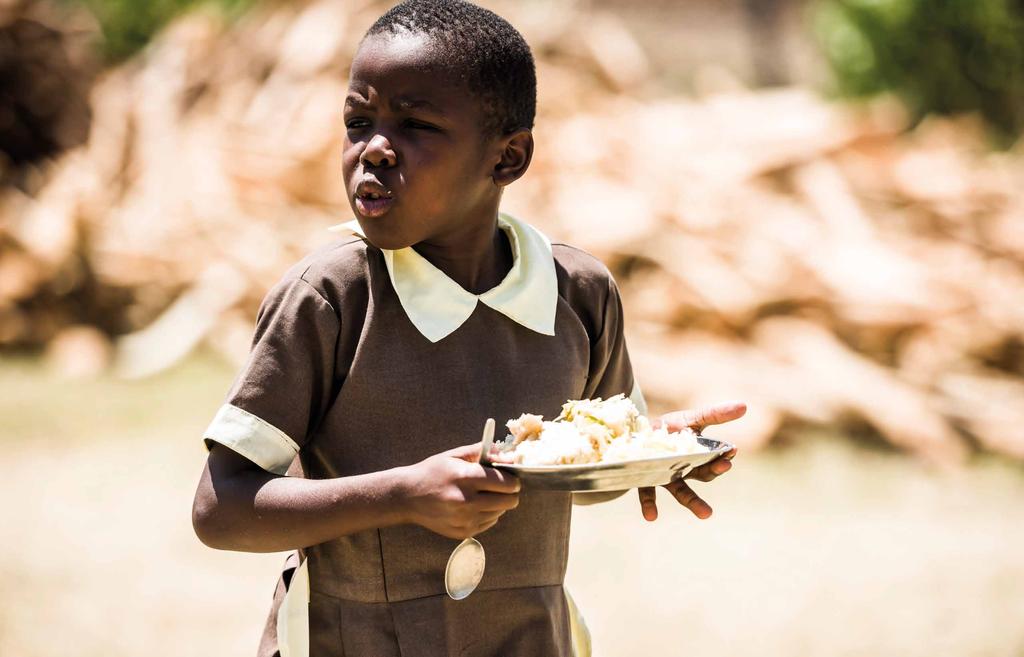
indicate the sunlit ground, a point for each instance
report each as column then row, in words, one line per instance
column 821, row 549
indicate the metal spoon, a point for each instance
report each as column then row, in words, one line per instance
column 466, row 564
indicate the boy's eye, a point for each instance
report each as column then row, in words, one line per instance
column 419, row 125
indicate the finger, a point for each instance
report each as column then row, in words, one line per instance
column 469, row 520
column 470, row 452
column 701, row 417
column 685, row 496
column 480, row 523
column 648, row 505
column 487, row 501
column 487, row 518
column 709, row 471
column 496, row 480
column 486, row 525
column 498, row 456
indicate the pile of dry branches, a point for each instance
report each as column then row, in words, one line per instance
column 813, row 259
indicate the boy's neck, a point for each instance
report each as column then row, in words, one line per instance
column 477, row 258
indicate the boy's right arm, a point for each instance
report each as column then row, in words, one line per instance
column 239, row 506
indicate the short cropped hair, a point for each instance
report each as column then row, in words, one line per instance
column 480, row 47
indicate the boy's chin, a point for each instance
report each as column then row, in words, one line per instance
column 381, row 240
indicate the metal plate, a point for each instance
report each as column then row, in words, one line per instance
column 620, row 475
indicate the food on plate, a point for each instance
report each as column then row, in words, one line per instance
column 593, row 431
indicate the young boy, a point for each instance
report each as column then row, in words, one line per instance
column 377, row 360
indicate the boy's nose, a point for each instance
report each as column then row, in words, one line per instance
column 378, row 153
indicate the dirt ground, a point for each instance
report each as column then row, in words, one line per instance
column 821, row 549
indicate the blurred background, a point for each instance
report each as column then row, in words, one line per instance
column 816, row 206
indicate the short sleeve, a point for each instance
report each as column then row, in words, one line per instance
column 611, row 372
column 285, row 386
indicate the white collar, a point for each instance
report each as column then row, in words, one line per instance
column 437, row 305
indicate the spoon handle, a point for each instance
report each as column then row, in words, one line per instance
column 486, row 442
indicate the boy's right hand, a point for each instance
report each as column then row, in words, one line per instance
column 452, row 494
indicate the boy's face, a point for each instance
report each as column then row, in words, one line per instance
column 413, row 139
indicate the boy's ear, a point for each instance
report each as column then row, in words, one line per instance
column 516, row 154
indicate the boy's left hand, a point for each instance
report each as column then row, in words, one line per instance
column 694, row 419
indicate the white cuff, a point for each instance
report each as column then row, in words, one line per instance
column 254, row 438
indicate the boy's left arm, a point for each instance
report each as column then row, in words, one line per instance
column 694, row 419
column 611, row 373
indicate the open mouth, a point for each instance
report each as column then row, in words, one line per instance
column 373, row 199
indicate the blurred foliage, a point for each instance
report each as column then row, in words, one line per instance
column 128, row 25
column 941, row 56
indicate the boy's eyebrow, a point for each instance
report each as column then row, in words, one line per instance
column 355, row 100
column 406, row 102
column 402, row 103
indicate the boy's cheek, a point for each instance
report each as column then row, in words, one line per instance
column 348, row 167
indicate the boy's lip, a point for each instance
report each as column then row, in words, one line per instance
column 368, row 186
column 369, row 207
column 365, row 201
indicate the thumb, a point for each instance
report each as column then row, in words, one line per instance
column 470, row 452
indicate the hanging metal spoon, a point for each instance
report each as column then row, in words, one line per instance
column 466, row 564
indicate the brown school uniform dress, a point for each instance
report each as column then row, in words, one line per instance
column 366, row 359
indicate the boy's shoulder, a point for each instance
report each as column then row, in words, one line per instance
column 586, row 285
column 579, row 269
column 334, row 270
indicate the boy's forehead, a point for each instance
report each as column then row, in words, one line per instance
column 408, row 54
column 404, row 67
